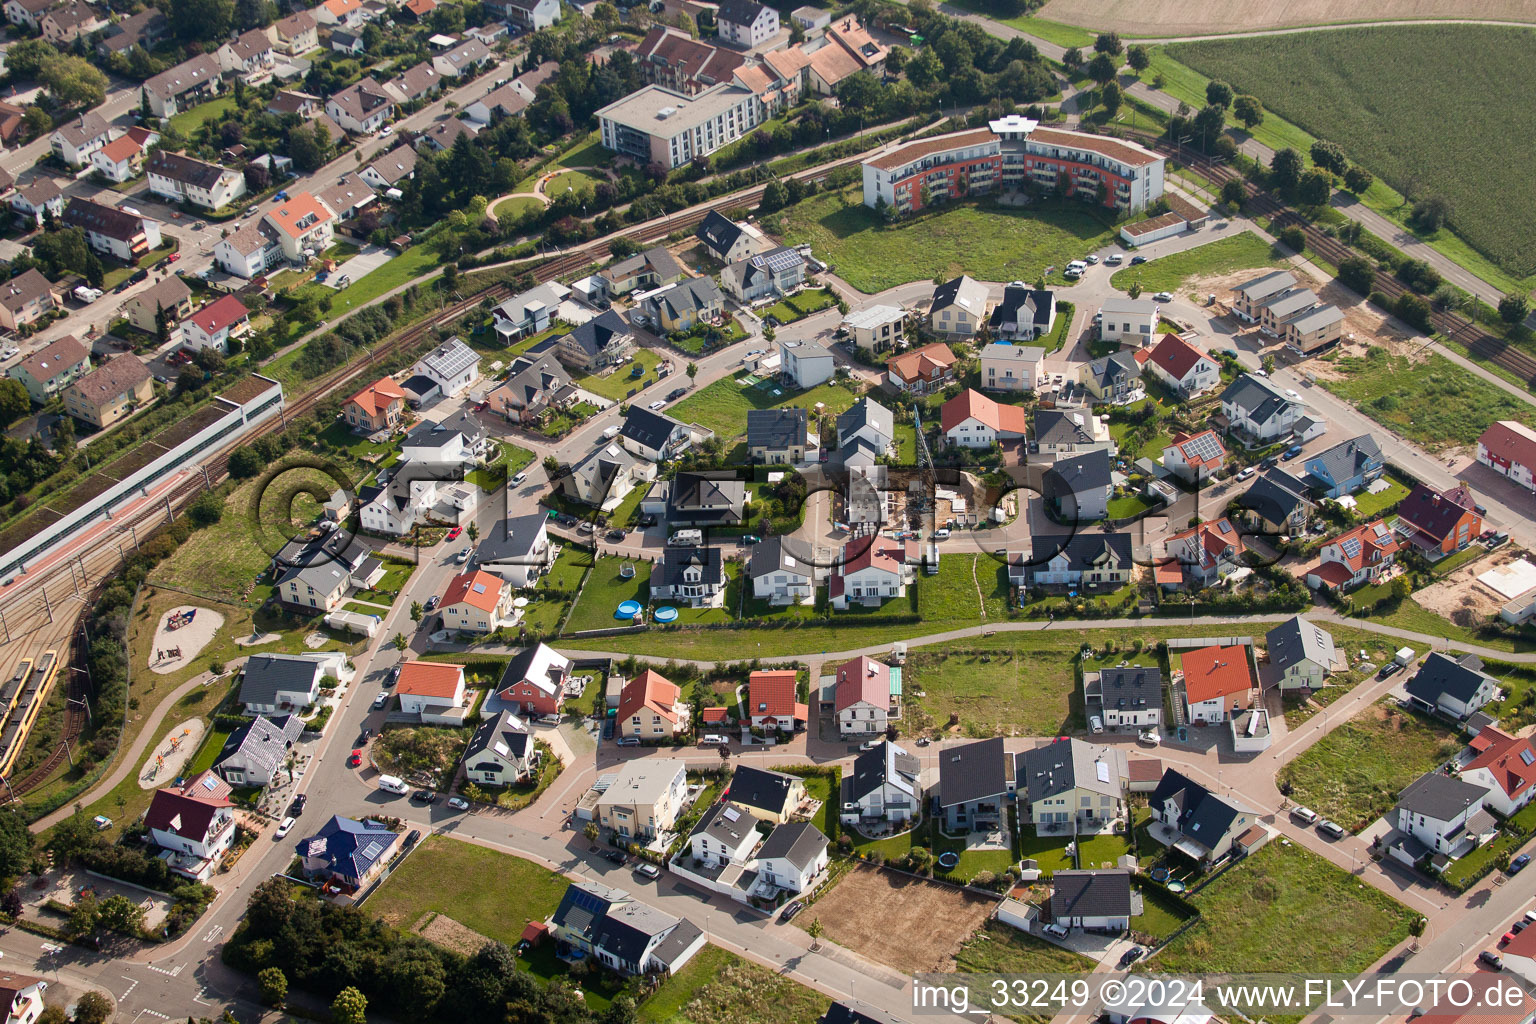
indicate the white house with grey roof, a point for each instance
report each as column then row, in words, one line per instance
column 885, row 785
column 501, row 752
column 1070, row 785
column 1124, row 698
column 694, row 576
column 1115, row 378
column 792, row 858
column 1077, row 488
column 782, row 572
column 529, row 312
column 605, row 476
column 1071, row 432
column 1128, row 321
column 1258, row 410
column 255, row 752
column 316, row 588
column 1195, row 821
column 621, row 933
column 1346, row 467
column 764, row 275
column 866, row 419
column 278, row 683
column 1455, row 687
column 1094, row 900
column 1023, row 313
column 805, row 364
column 724, row 837
column 729, row 241
column 958, row 309
column 1301, row 654
column 653, row 435
column 453, row 366
column 1444, row 815
column 779, row 436
column 517, row 549
column 1008, row 367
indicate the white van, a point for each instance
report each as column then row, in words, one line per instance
column 392, row 784
column 1095, row 724
column 684, row 538
column 713, row 739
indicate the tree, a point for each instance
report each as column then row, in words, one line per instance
column 1513, row 309
column 245, row 462
column 205, row 510
column 93, row 1008
column 35, row 122
column 1219, row 94
column 1209, row 124
column 1111, row 96
column 1248, row 110
column 1138, row 58
column 194, row 20
column 273, row 984
column 1103, row 68
column 1293, row 238
column 84, row 915
column 692, row 371
column 1430, row 214
column 52, row 1015
column 349, row 1007
column 1232, row 192
column 1071, row 60
column 605, row 13
column 1357, row 179
column 472, row 532
column 189, row 380
column 15, row 844
column 1108, row 42
column 14, row 403
column 1329, row 156
column 1285, row 169
column 25, row 57
column 814, row 931
column 551, row 466
column 74, row 82
column 774, row 197
column 1314, row 188
column 417, row 611
column 1134, row 290
column 121, row 915
column 1358, row 273
column 859, row 91
column 400, row 642
column 309, row 146
column 1412, row 310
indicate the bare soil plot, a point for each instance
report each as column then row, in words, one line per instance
column 442, row 930
column 909, row 923
column 1460, row 597
column 1165, row 18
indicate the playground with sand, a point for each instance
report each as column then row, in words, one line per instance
column 171, row 753
column 181, row 636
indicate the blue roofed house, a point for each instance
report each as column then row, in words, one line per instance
column 1347, row 467
column 622, row 933
column 347, row 854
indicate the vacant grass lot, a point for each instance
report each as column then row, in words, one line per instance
column 719, row 986
column 989, row 244
column 723, row 406
column 1370, row 90
column 1223, row 256
column 996, row 948
column 952, row 593
column 1435, row 402
column 1354, row 774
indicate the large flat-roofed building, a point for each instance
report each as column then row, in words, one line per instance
column 658, row 125
column 1008, row 153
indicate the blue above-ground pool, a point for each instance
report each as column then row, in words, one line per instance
column 627, row 610
column 666, row 613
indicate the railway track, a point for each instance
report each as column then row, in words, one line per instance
column 1453, row 325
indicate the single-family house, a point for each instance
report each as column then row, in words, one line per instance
column 185, row 179
column 432, row 690
column 534, row 385
column 76, row 140
column 1128, row 321
column 110, row 392
column 215, row 324
column 621, row 933
column 694, row 499
column 1508, row 447
column 379, row 406
column 645, row 798
column 1217, row 683
column 1455, row 687
column 1181, row 366
column 1345, row 468
column 1362, row 554
column 194, row 823
column 453, row 366
column 1258, row 411
column 183, row 86
column 1114, row 378
column 746, row 23
column 1124, row 698
column 26, row 12
column 605, row 340
column 764, row 275
column 876, row 328
column 417, row 84
column 973, row 786
column 867, row 697
column 729, row 241
column 651, row 708
column 249, row 55
column 517, row 549
column 793, row 857
column 604, row 477
column 348, row 854
column 67, row 22
column 1023, row 314
column 296, row 34
column 885, row 785
column 1506, row 766
column 650, row 269
column 653, row 435
column 278, row 683
column 779, row 575
column 1071, row 432
column 391, row 169
column 765, row 794
column 1079, row 560
column 972, row 420
column 1248, row 299
column 476, row 602
column 528, row 312
column 1444, row 814
column 1195, row 458
column 772, row 703
column 725, row 836
column 870, row 571
column 1207, row 552
column 1069, row 785
column 680, row 305
column 531, row 14
column 923, row 370
column 122, row 159
column 346, row 14
column 21, row 996
column 345, row 43
column 1191, row 819
column 1277, row 503
column 1097, row 901
column 464, row 60
column 1439, row 522
column 1301, row 654
column 1008, row 367
column 958, row 309
column 1076, row 489
column 35, row 201
column 256, row 752
column 534, row 680
column 693, row 576
column 362, row 108
column 869, row 421
column 501, row 752
column 54, row 367
column 315, row 589
column 778, row 436
column 805, row 364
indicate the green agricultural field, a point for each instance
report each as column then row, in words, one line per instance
column 1434, row 402
column 990, row 244
column 1372, row 91
column 1169, row 273
column 723, row 406
column 1354, row 774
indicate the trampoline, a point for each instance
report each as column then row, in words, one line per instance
column 1159, row 874
column 949, row 860
column 666, row 613
column 627, row 610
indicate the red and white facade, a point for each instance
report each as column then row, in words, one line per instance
column 1509, row 447
column 1007, row 154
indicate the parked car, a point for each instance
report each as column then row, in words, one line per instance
column 458, row 803
column 1163, row 297
column 656, row 405
column 1131, row 956
column 791, row 908
column 1113, row 260
column 614, row 535
column 1138, row 259
column 381, row 700
column 519, row 478
column 356, row 759
column 453, row 534
column 615, row 856
column 1305, row 815
column 629, row 741
column 1290, row 453
column 1149, row 736
column 645, row 869
column 1491, row 958
column 676, row 393
column 430, row 605
column 425, row 796
column 1090, row 259
column 283, row 828
column 1517, row 864
column 1391, row 668
column 1055, row 931
column 297, row 807
column 1331, row 830
column 250, row 211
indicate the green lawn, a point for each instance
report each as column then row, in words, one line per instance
column 1355, row 773
column 1368, row 506
column 410, row 264
column 801, row 305
column 605, row 591
column 189, row 121
column 723, row 406
column 1451, row 563
column 1319, row 81
column 1127, row 506
column 619, row 384
column 717, row 986
column 952, row 593
column 1160, row 916
column 1284, row 906
column 1223, row 256
column 513, row 207
column 575, row 180
column 996, row 948
column 1434, row 402
column 213, row 743
column 990, row 244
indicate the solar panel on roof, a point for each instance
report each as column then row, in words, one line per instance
column 372, row 850
column 1203, row 447
column 781, row 260
column 1351, row 547
column 589, row 902
column 1527, row 757
column 1224, row 526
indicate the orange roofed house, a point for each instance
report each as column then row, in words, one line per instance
column 477, row 602
column 923, row 370
column 434, row 691
column 1506, row 765
column 651, row 707
column 1439, row 522
column 871, row 571
column 379, row 406
column 771, row 701
column 1362, row 555
column 1218, row 682
column 972, row 420
column 1205, row 553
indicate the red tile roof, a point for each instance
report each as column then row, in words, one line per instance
column 378, row 396
column 1112, row 148
column 903, row 155
column 921, row 363
column 429, row 679
column 773, row 693
column 189, row 811
column 1375, row 542
column 1175, row 356
column 462, row 590
column 714, row 716
column 1189, row 445
column 300, row 213
column 1216, row 672
column 1502, row 758
column 124, row 147
column 867, row 554
column 1211, row 541
column 1512, row 442
column 863, row 679
column 1332, row 573
column 1437, row 513
column 1144, row 769
column 219, row 314
column 970, row 404
column 649, row 689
